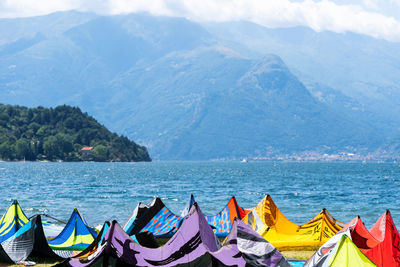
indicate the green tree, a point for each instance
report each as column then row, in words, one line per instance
column 60, row 133
column 50, row 147
column 23, row 149
column 69, row 123
column 100, row 153
column 30, row 115
column 58, row 146
column 34, row 126
column 6, row 151
column 43, row 131
column 4, row 119
column 4, row 116
column 65, row 142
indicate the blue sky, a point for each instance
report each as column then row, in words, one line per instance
column 377, row 18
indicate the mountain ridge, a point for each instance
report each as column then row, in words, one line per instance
column 190, row 92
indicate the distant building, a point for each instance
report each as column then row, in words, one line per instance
column 87, row 152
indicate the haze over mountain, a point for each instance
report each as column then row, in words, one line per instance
column 203, row 91
column 364, row 68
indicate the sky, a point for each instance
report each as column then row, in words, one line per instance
column 376, row 18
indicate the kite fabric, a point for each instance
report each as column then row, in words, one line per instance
column 222, row 222
column 76, row 236
column 194, row 244
column 271, row 224
column 380, row 244
column 92, row 248
column 339, row 251
column 255, row 249
column 156, row 218
column 12, row 221
column 28, row 241
column 346, row 253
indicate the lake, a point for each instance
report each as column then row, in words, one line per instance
column 106, row 191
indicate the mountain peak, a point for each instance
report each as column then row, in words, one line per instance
column 268, row 63
column 184, row 90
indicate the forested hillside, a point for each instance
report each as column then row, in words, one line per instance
column 59, row 134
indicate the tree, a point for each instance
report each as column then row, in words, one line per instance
column 50, row 148
column 58, row 146
column 60, row 133
column 43, row 131
column 65, row 142
column 6, row 151
column 69, row 123
column 4, row 119
column 23, row 149
column 34, row 126
column 100, row 153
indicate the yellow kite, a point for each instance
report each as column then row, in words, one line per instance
column 269, row 222
column 12, row 221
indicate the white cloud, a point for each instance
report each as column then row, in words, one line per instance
column 371, row 4
column 360, row 17
column 24, row 8
column 395, row 2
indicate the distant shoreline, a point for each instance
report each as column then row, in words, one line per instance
column 219, row 161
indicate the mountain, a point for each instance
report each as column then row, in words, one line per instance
column 202, row 91
column 217, row 104
column 53, row 69
column 357, row 66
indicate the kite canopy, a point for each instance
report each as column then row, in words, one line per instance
column 255, row 249
column 194, row 244
column 186, row 209
column 271, row 224
column 155, row 218
column 159, row 220
column 382, row 247
column 346, row 253
column 28, row 241
column 339, row 251
column 95, row 244
column 380, row 244
column 12, row 221
column 76, row 235
column 225, row 218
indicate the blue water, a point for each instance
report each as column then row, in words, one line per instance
column 105, row 191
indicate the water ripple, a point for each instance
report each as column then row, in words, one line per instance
column 104, row 191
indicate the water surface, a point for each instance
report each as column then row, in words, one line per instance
column 105, row 191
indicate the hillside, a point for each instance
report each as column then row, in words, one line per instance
column 203, row 91
column 217, row 104
column 59, row 134
column 362, row 68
